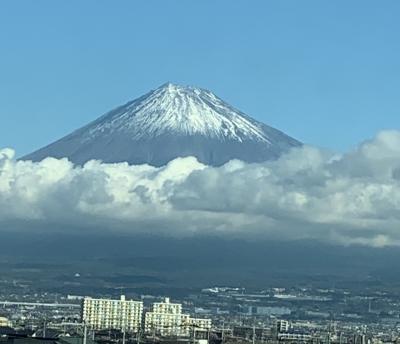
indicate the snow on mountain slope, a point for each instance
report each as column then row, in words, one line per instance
column 171, row 121
column 181, row 110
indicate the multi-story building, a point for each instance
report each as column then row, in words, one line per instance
column 167, row 319
column 125, row 315
column 294, row 337
column 200, row 324
column 4, row 322
column 282, row 326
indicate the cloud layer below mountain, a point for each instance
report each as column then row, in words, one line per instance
column 309, row 193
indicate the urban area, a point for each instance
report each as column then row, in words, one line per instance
column 211, row 315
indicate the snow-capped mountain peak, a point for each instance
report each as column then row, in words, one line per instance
column 169, row 122
column 180, row 110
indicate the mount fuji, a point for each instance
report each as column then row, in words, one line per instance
column 169, row 122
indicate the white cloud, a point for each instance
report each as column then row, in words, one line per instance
column 352, row 198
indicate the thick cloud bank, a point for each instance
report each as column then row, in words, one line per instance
column 307, row 193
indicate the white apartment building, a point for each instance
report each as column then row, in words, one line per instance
column 125, row 315
column 282, row 325
column 167, row 319
column 199, row 324
column 4, row 322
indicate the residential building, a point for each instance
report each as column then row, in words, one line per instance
column 282, row 326
column 100, row 314
column 167, row 319
column 200, row 324
column 4, row 322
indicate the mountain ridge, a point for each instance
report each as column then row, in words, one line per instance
column 169, row 122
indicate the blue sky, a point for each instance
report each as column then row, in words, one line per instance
column 325, row 72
